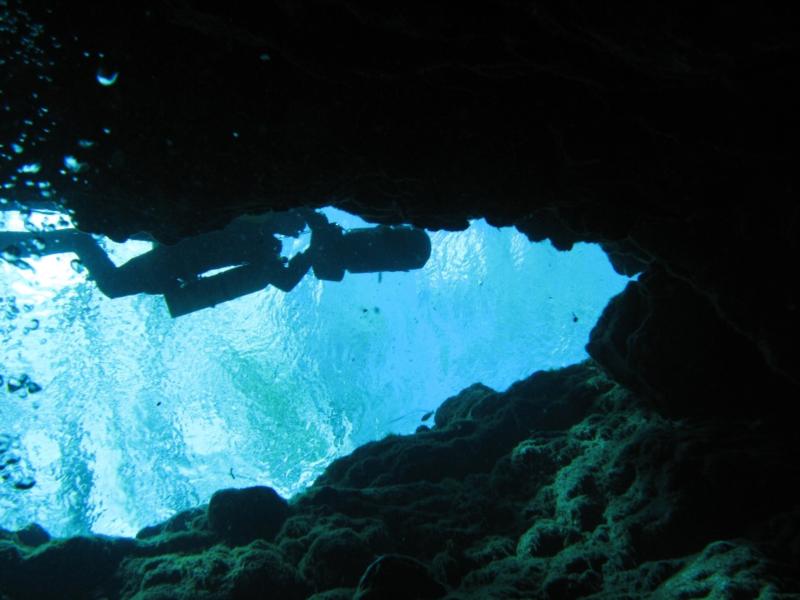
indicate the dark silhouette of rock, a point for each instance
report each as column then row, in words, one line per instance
column 33, row 535
column 659, row 326
column 396, row 577
column 240, row 516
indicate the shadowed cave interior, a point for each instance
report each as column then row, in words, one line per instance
column 662, row 466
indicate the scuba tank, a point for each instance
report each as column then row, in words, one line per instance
column 368, row 250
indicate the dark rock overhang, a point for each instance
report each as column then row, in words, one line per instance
column 663, row 134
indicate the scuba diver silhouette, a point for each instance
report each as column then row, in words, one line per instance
column 247, row 248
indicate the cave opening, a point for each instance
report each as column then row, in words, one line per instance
column 124, row 416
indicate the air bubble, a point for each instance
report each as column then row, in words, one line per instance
column 72, row 164
column 106, row 78
column 30, row 168
column 33, row 326
column 11, row 253
column 77, row 265
column 14, row 384
column 25, row 483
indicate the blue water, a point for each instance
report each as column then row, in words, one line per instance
column 141, row 415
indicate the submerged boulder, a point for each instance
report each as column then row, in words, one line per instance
column 240, row 516
column 397, row 577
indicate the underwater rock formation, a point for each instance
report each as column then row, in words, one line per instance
column 565, row 486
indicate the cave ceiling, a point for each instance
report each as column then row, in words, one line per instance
column 664, row 134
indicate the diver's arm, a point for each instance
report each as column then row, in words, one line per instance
column 314, row 219
column 288, row 277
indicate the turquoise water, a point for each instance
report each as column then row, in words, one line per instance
column 141, row 415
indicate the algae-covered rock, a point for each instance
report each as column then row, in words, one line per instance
column 70, row 568
column 336, row 558
column 217, row 573
column 397, row 577
column 240, row 516
column 33, row 535
column 188, row 520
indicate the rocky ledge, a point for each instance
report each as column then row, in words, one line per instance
column 564, row 486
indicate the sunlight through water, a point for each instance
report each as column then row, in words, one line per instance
column 139, row 415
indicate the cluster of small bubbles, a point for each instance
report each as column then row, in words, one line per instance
column 13, row 255
column 30, row 168
column 22, row 386
column 24, row 46
column 9, row 307
column 12, row 469
column 10, row 313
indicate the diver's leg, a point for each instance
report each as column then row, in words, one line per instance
column 210, row 291
column 106, row 275
column 234, row 283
